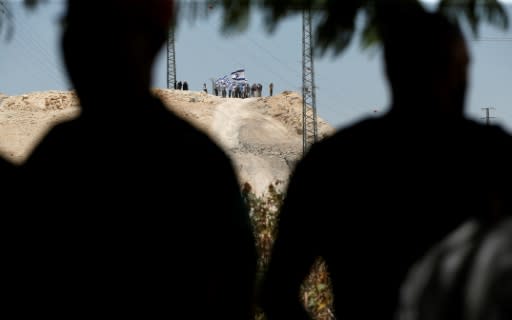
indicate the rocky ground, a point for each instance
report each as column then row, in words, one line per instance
column 262, row 135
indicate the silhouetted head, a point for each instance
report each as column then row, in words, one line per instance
column 426, row 62
column 110, row 45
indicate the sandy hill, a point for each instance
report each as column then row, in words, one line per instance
column 262, row 135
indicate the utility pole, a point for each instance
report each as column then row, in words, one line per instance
column 309, row 121
column 171, row 60
column 487, row 115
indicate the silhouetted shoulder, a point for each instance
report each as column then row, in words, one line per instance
column 193, row 144
column 492, row 145
column 326, row 160
column 153, row 131
column 352, row 136
column 394, row 132
column 152, row 148
column 494, row 132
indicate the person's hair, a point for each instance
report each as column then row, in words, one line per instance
column 153, row 17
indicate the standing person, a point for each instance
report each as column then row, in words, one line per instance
column 149, row 220
column 204, row 88
column 179, row 85
column 223, row 89
column 373, row 198
column 185, row 85
column 271, row 88
column 246, row 89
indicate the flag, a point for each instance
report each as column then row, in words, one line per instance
column 233, row 79
column 238, row 74
column 226, row 81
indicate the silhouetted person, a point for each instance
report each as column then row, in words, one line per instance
column 140, row 213
column 467, row 276
column 373, row 198
column 271, row 89
column 253, row 90
column 185, row 85
column 179, row 85
column 14, row 237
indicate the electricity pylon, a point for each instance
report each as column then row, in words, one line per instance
column 309, row 121
column 171, row 61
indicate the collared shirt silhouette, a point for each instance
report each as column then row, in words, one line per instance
column 143, row 214
column 373, row 198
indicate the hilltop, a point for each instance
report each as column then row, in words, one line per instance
column 262, row 135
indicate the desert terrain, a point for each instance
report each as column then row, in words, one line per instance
column 263, row 136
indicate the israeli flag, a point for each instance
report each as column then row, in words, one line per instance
column 238, row 75
column 225, row 80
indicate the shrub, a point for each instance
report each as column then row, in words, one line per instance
column 264, row 211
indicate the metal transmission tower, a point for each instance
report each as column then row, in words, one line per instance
column 171, row 61
column 309, row 123
column 488, row 115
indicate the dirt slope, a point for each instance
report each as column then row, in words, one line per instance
column 262, row 135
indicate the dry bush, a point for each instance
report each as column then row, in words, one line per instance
column 264, row 211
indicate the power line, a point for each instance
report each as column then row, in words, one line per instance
column 38, row 56
column 273, row 56
column 27, row 54
column 257, row 58
column 34, row 38
column 282, row 63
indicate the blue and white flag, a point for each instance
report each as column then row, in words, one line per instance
column 230, row 81
column 224, row 81
column 238, row 75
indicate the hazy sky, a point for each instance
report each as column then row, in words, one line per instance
column 349, row 86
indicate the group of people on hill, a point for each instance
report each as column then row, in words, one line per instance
column 140, row 214
column 181, row 85
column 237, row 89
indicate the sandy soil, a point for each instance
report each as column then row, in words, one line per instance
column 262, row 135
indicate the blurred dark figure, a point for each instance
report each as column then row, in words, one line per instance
column 141, row 214
column 468, row 276
column 179, row 85
column 12, row 230
column 185, row 85
column 254, row 90
column 373, row 198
